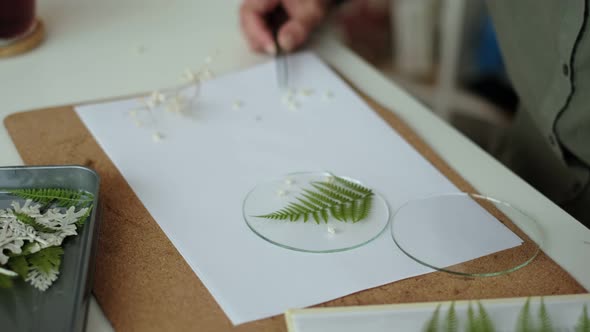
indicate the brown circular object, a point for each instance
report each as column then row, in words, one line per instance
column 25, row 44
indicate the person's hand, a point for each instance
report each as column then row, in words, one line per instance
column 304, row 16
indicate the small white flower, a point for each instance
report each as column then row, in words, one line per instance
column 157, row 137
column 331, row 229
column 237, row 104
column 40, row 280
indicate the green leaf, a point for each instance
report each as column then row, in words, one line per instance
column 432, row 325
column 471, row 320
column 484, row 323
column 346, row 202
column 354, row 186
column 85, row 216
column 19, row 265
column 525, row 323
column 584, row 321
column 46, row 259
column 5, row 281
column 28, row 220
column 58, row 196
column 546, row 325
column 451, row 319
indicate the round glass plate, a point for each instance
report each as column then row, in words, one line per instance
column 313, row 235
column 441, row 231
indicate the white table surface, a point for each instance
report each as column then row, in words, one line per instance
column 108, row 48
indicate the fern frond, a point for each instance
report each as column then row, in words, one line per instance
column 58, row 196
column 364, row 206
column 451, row 319
column 354, row 186
column 484, row 323
column 546, row 325
column 584, row 321
column 346, row 202
column 471, row 320
column 340, row 190
column 28, row 220
column 331, row 194
column 524, row 323
column 432, row 325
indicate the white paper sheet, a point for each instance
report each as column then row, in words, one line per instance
column 194, row 181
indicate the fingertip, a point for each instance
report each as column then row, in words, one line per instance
column 292, row 35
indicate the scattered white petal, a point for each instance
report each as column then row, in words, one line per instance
column 208, row 59
column 206, row 74
column 282, row 193
column 133, row 113
column 189, row 75
column 293, row 106
column 331, row 229
column 330, row 179
column 287, row 99
column 138, row 123
column 289, row 181
column 8, row 272
column 328, row 95
column 306, row 92
column 237, row 104
column 157, row 137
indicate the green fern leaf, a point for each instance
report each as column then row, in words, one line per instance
column 336, row 213
column 432, row 325
column 46, row 259
column 28, row 220
column 19, row 265
column 584, row 321
column 354, row 186
column 471, row 320
column 546, row 325
column 451, row 319
column 346, row 202
column 484, row 323
column 331, row 194
column 58, row 196
column 340, row 190
column 525, row 323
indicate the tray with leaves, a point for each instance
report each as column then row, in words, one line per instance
column 47, row 235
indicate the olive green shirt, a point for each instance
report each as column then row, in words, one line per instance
column 546, row 48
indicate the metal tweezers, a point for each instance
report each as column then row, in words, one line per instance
column 275, row 20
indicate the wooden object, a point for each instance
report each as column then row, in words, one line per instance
column 25, row 44
column 143, row 284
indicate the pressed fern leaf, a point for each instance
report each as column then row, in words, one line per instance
column 484, row 323
column 525, row 323
column 432, row 325
column 451, row 319
column 28, row 220
column 546, row 325
column 584, row 321
column 19, row 265
column 58, row 196
column 342, row 199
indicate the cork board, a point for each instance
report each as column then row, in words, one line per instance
column 143, row 284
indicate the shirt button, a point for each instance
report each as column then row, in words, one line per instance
column 566, row 69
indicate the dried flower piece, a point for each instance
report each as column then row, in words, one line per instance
column 237, row 104
column 157, row 137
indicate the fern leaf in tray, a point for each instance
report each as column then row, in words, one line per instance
column 341, row 199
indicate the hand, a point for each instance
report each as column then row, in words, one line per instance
column 304, row 16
